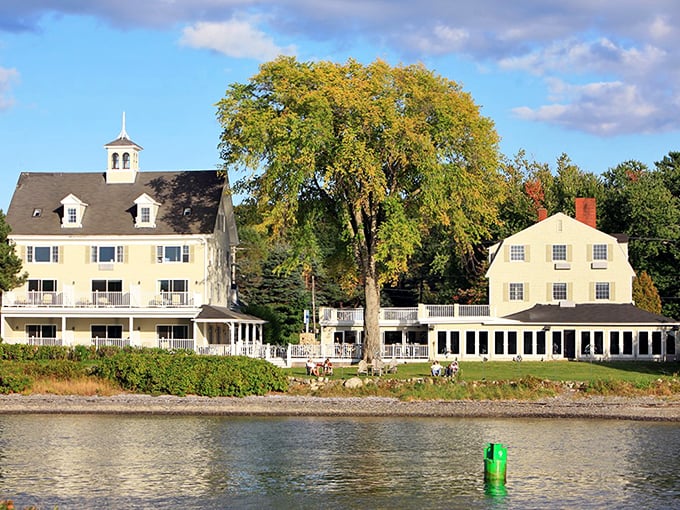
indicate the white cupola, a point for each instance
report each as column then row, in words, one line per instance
column 123, row 158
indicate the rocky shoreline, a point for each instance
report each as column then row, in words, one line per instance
column 563, row 406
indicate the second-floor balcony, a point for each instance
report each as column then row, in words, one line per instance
column 420, row 314
column 100, row 299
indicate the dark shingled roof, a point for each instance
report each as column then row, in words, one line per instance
column 589, row 314
column 212, row 312
column 110, row 207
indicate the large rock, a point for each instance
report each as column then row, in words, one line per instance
column 353, row 382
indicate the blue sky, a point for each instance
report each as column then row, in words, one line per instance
column 595, row 80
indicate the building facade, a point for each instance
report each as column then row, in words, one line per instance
column 125, row 257
column 559, row 289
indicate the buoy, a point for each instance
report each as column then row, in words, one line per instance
column 495, row 462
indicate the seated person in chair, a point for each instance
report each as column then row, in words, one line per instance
column 436, row 368
column 311, row 368
column 328, row 367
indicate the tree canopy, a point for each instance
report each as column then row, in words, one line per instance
column 387, row 153
column 10, row 264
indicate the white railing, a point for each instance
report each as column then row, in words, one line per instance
column 458, row 310
column 411, row 314
column 399, row 314
column 440, row 310
column 100, row 299
column 106, row 342
column 106, row 299
column 35, row 340
column 177, row 343
column 348, row 351
column 169, row 299
column 408, row 351
column 304, row 351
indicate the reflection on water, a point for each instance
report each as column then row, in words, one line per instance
column 224, row 462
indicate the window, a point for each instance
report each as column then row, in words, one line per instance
column 483, row 343
column 517, row 252
column 559, row 291
column 614, row 343
column 499, row 342
column 126, row 160
column 559, row 252
column 599, row 252
column 512, row 342
column 107, row 285
column 37, row 212
column 71, row 215
column 469, row 342
column 42, row 254
column 41, row 331
column 516, row 292
column 42, row 285
column 106, row 331
column 557, row 342
column 643, row 342
column 586, row 349
column 186, row 211
column 145, row 215
column 114, row 161
column 528, row 342
column 104, row 254
column 172, row 254
column 628, row 342
column 540, row 342
column 602, row 290
column 173, row 332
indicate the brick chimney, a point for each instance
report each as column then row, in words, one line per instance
column 586, row 211
column 542, row 213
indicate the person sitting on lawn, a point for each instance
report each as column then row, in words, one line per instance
column 311, row 368
column 328, row 367
column 436, row 368
column 452, row 369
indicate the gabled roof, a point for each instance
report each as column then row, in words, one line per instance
column 212, row 313
column 589, row 313
column 112, row 208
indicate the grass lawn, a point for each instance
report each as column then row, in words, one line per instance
column 629, row 371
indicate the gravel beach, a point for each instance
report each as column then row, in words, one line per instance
column 563, row 406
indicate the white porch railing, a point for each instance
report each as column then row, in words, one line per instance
column 177, row 343
column 407, row 351
column 106, row 342
column 34, row 340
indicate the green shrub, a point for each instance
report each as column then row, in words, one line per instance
column 14, row 383
column 183, row 373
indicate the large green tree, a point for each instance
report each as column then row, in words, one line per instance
column 10, row 264
column 638, row 203
column 390, row 152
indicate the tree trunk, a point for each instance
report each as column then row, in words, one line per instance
column 372, row 320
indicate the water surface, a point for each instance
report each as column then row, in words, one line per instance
column 101, row 461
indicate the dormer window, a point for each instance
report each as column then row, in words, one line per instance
column 187, row 211
column 147, row 211
column 126, row 161
column 71, row 215
column 37, row 212
column 114, row 161
column 74, row 210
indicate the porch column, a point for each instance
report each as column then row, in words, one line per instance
column 131, row 329
column 64, row 334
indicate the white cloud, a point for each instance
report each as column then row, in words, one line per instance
column 609, row 55
column 234, row 38
column 7, row 77
column 600, row 108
